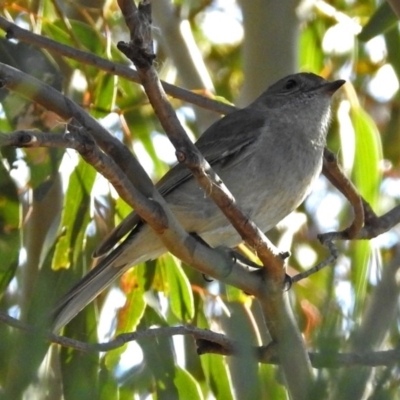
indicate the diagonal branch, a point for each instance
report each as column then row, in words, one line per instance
column 276, row 310
column 79, row 140
column 13, row 31
column 154, row 211
column 139, row 51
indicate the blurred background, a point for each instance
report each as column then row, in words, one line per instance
column 55, row 209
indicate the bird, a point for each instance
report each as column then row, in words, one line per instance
column 268, row 154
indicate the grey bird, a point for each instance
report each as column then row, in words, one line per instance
column 268, row 155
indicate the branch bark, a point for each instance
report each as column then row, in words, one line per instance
column 212, row 262
column 209, row 342
column 13, row 31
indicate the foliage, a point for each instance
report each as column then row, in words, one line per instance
column 54, row 210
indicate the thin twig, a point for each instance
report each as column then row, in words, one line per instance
column 375, row 226
column 13, row 31
column 333, row 172
column 77, row 138
column 328, row 261
column 366, row 224
column 208, row 342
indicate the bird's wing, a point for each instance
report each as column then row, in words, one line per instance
column 125, row 226
column 221, row 144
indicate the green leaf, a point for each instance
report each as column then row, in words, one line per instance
column 109, row 387
column 360, row 258
column 9, row 228
column 75, row 217
column 159, row 358
column 214, row 366
column 380, row 22
column 5, row 125
column 269, row 387
column 134, row 282
column 187, row 386
column 42, row 162
column 179, row 289
column 392, row 39
column 235, row 294
column 82, row 35
column 105, row 94
column 80, row 372
column 367, row 179
column 217, row 376
column 134, row 286
column 366, row 170
column 311, row 56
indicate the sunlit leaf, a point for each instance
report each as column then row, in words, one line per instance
column 360, row 258
column 217, row 375
column 367, row 179
column 134, row 286
column 75, row 216
column 311, row 56
column 187, row 386
column 179, row 289
column 268, row 388
column 367, row 164
column 235, row 294
column 215, row 368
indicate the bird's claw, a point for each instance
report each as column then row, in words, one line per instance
column 287, row 283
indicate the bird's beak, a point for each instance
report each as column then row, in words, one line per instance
column 331, row 87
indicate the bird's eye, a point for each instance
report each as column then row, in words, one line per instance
column 290, row 84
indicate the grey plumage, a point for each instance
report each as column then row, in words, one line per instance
column 268, row 155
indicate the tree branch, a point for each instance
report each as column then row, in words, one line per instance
column 366, row 224
column 335, row 175
column 13, row 31
column 277, row 312
column 212, row 262
column 79, row 140
column 139, row 51
column 209, row 342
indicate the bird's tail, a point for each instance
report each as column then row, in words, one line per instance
column 86, row 290
column 140, row 245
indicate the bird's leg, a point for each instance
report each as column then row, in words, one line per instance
column 234, row 253
column 237, row 256
column 202, row 241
